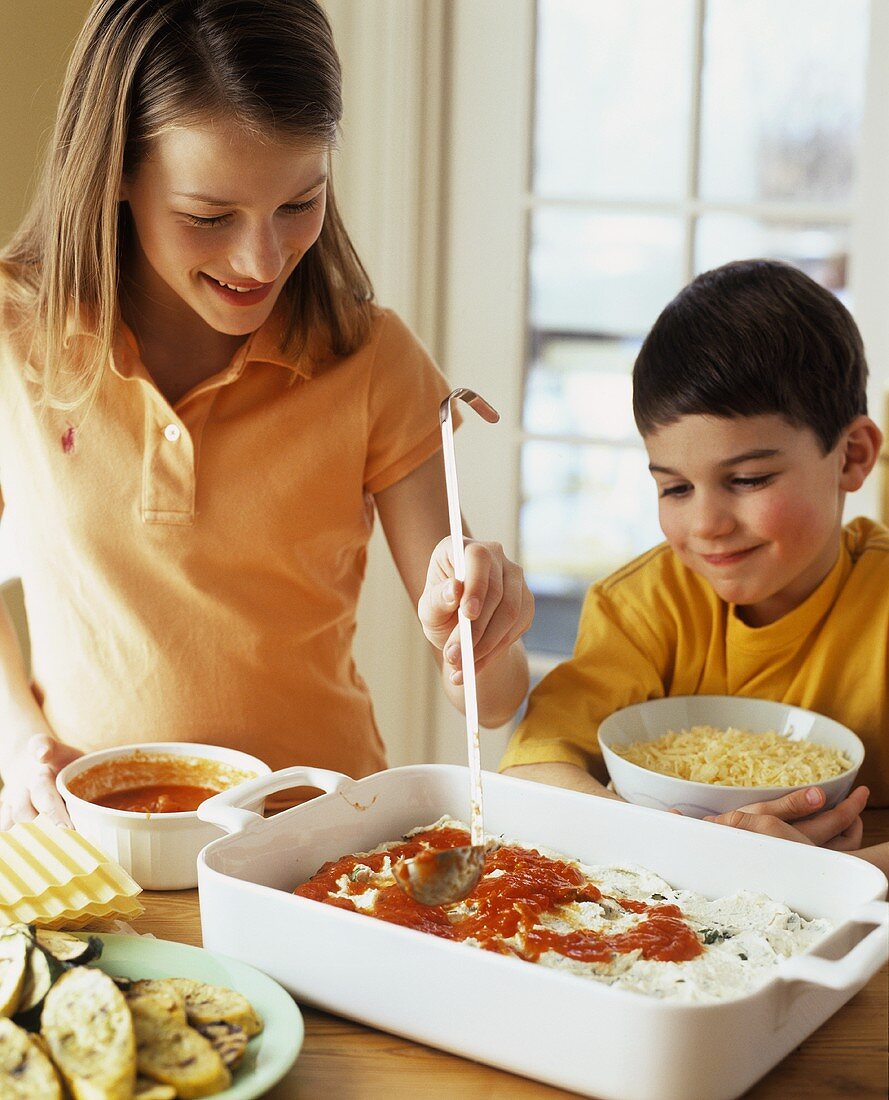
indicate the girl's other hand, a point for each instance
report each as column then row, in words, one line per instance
column 494, row 597
column 840, row 828
column 29, row 786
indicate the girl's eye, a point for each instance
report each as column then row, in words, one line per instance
column 302, row 207
column 290, row 208
column 206, row 223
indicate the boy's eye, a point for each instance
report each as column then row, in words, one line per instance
column 291, row 208
column 674, row 490
column 752, row 482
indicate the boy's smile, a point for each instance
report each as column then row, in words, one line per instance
column 753, row 505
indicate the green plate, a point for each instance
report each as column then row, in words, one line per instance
column 270, row 1054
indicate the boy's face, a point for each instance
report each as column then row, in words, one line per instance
column 268, row 210
column 752, row 505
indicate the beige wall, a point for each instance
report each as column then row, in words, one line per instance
column 35, row 40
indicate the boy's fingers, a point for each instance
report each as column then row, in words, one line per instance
column 850, row 839
column 765, row 824
column 833, row 823
column 790, row 807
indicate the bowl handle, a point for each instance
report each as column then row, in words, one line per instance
column 856, row 966
column 226, row 808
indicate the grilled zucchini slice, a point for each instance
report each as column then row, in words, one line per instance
column 41, row 972
column 25, row 1071
column 229, row 1041
column 67, row 949
column 171, row 1052
column 14, row 950
column 90, row 1034
column 205, row 1004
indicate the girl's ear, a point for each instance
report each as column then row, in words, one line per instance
column 861, row 445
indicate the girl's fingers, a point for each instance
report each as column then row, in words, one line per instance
column 437, row 608
column 47, row 800
column 483, row 588
column 16, row 807
column 518, row 627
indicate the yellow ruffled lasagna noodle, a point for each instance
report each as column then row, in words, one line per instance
column 736, row 758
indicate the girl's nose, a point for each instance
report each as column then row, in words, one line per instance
column 258, row 255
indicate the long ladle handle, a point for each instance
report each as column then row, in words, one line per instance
column 487, row 412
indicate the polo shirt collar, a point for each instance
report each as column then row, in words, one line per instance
column 265, row 346
column 262, row 346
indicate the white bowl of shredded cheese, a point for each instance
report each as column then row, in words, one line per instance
column 708, row 754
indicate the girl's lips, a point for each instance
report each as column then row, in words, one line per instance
column 238, row 297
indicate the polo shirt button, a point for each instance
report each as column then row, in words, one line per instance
column 172, row 432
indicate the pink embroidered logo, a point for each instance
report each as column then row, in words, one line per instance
column 68, row 439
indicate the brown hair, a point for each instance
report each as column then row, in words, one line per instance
column 142, row 66
column 751, row 338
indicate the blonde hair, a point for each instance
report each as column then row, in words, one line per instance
column 142, row 66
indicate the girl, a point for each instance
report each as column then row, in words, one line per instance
column 200, row 408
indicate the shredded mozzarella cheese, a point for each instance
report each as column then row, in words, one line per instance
column 736, row 758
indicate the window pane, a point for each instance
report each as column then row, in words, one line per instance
column 782, row 94
column 585, row 511
column 820, row 250
column 602, row 273
column 581, row 387
column 607, row 72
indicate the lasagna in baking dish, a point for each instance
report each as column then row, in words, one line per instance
column 620, row 925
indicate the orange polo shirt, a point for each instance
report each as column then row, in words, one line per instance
column 191, row 573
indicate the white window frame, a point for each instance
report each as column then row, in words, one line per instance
column 434, row 180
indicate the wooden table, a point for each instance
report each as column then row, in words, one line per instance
column 340, row 1059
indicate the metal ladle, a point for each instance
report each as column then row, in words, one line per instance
column 442, row 876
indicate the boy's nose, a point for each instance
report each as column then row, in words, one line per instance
column 710, row 519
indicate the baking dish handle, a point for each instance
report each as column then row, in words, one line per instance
column 226, row 809
column 855, row 967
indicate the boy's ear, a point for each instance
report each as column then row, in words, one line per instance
column 861, row 443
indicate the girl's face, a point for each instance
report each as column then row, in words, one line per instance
column 222, row 217
column 751, row 504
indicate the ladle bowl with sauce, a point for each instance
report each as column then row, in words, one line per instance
column 138, row 804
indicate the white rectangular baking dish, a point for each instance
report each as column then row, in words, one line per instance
column 555, row 1027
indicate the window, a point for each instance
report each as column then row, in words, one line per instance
column 668, row 136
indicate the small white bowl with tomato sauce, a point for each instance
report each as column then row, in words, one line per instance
column 138, row 804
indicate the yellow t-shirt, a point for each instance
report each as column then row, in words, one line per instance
column 191, row 573
column 655, row 629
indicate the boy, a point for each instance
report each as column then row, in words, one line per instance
column 749, row 393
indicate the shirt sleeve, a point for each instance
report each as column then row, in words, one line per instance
column 405, row 391
column 615, row 663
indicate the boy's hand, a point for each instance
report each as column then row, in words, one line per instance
column 494, row 597
column 29, row 786
column 840, row 828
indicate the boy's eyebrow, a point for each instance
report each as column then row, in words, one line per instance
column 210, row 201
column 748, row 456
column 735, row 460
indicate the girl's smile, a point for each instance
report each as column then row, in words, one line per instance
column 239, row 294
column 221, row 216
